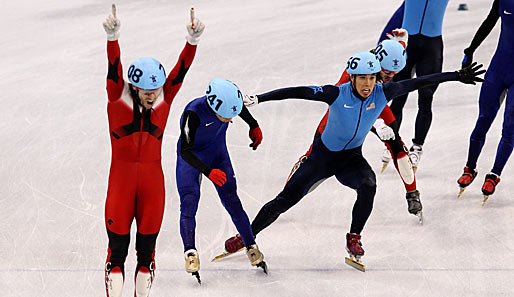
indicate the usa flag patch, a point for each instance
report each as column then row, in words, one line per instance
column 370, row 106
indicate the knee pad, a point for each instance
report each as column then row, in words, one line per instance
column 118, row 250
column 145, row 248
column 405, row 168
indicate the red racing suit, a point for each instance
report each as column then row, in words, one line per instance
column 136, row 181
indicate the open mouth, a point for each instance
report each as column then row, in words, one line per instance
column 366, row 91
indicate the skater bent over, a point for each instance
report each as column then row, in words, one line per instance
column 137, row 112
column 202, row 149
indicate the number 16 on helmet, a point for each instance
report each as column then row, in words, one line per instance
column 224, row 98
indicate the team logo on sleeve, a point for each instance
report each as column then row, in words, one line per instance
column 317, row 89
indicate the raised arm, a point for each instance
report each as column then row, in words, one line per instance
column 483, row 31
column 468, row 75
column 327, row 94
column 174, row 80
column 115, row 71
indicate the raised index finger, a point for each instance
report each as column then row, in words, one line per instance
column 192, row 12
column 114, row 10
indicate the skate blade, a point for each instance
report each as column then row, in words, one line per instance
column 461, row 191
column 384, row 166
column 225, row 254
column 264, row 266
column 197, row 275
column 355, row 264
column 420, row 217
column 485, row 199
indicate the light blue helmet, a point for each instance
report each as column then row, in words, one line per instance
column 147, row 73
column 363, row 63
column 391, row 54
column 224, row 97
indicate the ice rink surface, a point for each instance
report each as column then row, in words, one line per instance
column 56, row 154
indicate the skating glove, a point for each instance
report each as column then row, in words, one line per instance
column 194, row 29
column 256, row 137
column 469, row 75
column 384, row 131
column 250, row 100
column 399, row 34
column 468, row 58
column 218, row 177
column 112, row 25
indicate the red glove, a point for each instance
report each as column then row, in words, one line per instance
column 218, row 177
column 256, row 137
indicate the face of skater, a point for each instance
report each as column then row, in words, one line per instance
column 386, row 75
column 224, row 120
column 147, row 98
column 364, row 83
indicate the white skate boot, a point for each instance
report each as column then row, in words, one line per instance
column 193, row 263
column 256, row 257
column 415, row 153
column 144, row 280
column 113, row 280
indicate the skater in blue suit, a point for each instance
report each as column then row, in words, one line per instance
column 498, row 80
column 423, row 19
column 202, row 149
column 353, row 108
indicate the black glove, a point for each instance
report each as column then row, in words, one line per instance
column 469, row 75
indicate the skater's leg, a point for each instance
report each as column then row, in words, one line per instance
column 230, row 200
column 119, row 213
column 149, row 213
column 401, row 159
column 310, row 173
column 431, row 62
column 489, row 103
column 507, row 141
column 188, row 184
column 358, row 175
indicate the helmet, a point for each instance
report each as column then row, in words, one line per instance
column 391, row 54
column 224, row 97
column 363, row 63
column 147, row 74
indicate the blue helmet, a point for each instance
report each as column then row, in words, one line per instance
column 363, row 63
column 147, row 73
column 391, row 54
column 224, row 97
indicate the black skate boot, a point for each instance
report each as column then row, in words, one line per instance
column 490, row 183
column 354, row 248
column 414, row 204
column 467, row 177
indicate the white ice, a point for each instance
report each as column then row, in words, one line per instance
column 55, row 155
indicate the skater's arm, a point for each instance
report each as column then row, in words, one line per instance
column 395, row 22
column 327, row 94
column 468, row 75
column 248, row 118
column 174, row 80
column 484, row 29
column 189, row 125
column 255, row 133
column 177, row 74
column 115, row 72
